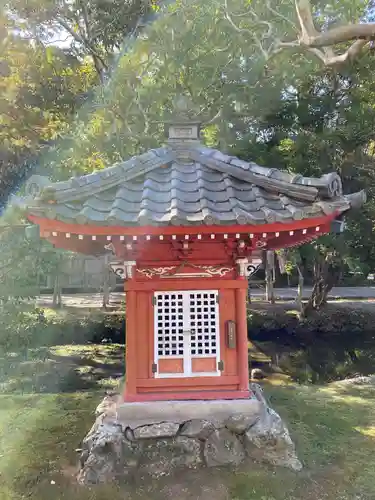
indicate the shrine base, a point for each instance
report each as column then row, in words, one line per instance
column 157, row 437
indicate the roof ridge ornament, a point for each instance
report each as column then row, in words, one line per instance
column 184, row 108
column 184, row 124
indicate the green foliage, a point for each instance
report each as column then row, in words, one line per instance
column 285, row 112
column 189, row 47
column 41, row 89
column 24, row 262
column 94, row 28
column 324, row 122
column 25, row 328
column 333, row 344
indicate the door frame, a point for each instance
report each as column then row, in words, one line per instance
column 187, row 356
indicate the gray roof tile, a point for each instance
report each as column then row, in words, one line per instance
column 158, row 188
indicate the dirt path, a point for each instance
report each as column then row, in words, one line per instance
column 93, row 301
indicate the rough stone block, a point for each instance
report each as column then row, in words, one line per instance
column 106, row 455
column 108, row 405
column 129, row 434
column 257, row 374
column 102, row 428
column 160, row 456
column 96, row 470
column 161, row 430
column 199, row 429
column 269, row 441
column 155, row 438
column 223, row 448
column 241, row 423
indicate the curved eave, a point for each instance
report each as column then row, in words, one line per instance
column 91, row 230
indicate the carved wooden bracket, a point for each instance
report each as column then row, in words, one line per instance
column 123, row 269
column 242, row 266
column 253, row 267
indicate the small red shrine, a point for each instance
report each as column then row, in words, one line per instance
column 184, row 222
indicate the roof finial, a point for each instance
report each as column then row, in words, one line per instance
column 183, row 108
column 183, row 125
column 182, row 103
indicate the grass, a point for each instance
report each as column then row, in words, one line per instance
column 47, row 405
column 61, row 369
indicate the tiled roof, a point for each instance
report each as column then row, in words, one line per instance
column 188, row 184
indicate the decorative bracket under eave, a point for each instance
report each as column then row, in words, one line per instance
column 242, row 266
column 124, row 270
column 246, row 267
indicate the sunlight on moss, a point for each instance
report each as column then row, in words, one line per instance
column 345, row 399
column 367, row 431
column 84, row 369
column 292, row 312
column 279, row 379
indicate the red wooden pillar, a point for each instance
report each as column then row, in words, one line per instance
column 131, row 347
column 241, row 320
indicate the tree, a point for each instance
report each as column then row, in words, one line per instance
column 324, row 122
column 39, row 90
column 23, row 260
column 357, row 35
column 325, row 260
column 191, row 49
column 94, row 28
column 231, row 74
column 232, row 63
column 247, row 89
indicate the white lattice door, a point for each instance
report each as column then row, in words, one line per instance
column 186, row 334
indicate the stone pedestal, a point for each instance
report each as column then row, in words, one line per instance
column 156, row 437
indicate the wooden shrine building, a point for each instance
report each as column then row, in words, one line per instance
column 183, row 222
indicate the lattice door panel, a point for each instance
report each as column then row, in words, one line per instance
column 169, row 324
column 186, row 333
column 203, row 323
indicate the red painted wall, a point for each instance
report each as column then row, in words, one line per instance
column 140, row 341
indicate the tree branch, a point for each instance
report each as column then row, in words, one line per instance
column 216, row 117
column 308, row 31
column 233, row 24
column 350, row 55
column 364, row 32
column 99, row 62
column 320, row 43
column 85, row 16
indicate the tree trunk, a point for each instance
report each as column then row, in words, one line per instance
column 300, row 289
column 56, row 301
column 106, row 284
column 249, row 293
column 270, row 259
column 325, row 277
